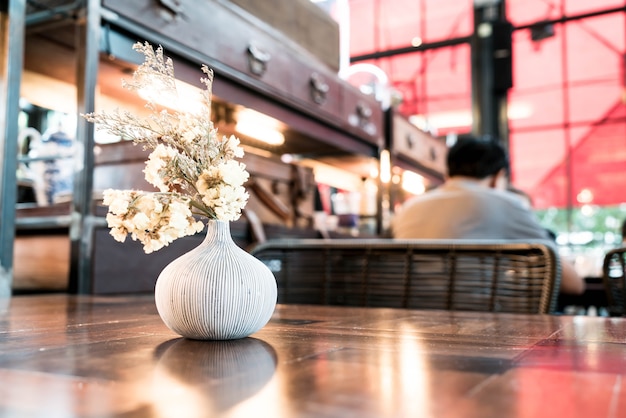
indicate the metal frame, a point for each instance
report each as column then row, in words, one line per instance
column 83, row 221
column 12, row 13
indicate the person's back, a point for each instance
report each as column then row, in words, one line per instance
column 473, row 203
column 460, row 209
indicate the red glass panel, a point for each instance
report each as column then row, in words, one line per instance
column 547, row 148
column 524, row 12
column 536, row 108
column 577, row 7
column 536, row 64
column 447, row 19
column 595, row 48
column 569, row 94
column 591, row 103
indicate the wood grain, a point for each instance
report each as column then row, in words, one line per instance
column 85, row 356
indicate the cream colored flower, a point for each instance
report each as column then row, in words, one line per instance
column 192, row 167
column 141, row 221
column 233, row 173
column 119, row 234
column 117, row 200
column 232, row 146
column 157, row 165
column 149, row 203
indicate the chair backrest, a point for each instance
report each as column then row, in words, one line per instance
column 614, row 277
column 498, row 276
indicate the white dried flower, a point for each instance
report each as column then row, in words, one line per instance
column 233, row 173
column 191, row 166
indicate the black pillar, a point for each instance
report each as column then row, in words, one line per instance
column 491, row 69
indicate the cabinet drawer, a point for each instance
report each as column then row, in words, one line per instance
column 316, row 86
column 412, row 144
column 255, row 56
column 223, row 33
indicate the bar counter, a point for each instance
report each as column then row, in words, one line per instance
column 85, row 356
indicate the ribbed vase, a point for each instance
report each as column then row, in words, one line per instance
column 217, row 291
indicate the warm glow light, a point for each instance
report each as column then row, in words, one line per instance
column 587, row 210
column 287, row 158
column 452, row 119
column 585, row 196
column 259, row 126
column 385, row 166
column 413, row 182
column 373, row 171
column 333, row 176
column 261, row 133
column 519, row 110
column 404, row 376
column 417, row 41
column 48, row 92
column 188, row 98
column 461, row 118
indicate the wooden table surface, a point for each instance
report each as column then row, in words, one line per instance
column 82, row 356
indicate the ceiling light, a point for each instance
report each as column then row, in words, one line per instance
column 187, row 98
column 259, row 126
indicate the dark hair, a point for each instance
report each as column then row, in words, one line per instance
column 477, row 158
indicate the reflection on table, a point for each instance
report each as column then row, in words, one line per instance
column 592, row 302
column 82, row 356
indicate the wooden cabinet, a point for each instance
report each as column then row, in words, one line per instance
column 245, row 49
column 416, row 148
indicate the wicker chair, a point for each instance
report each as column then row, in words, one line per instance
column 497, row 276
column 614, row 277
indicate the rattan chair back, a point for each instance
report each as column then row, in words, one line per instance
column 614, row 277
column 497, row 276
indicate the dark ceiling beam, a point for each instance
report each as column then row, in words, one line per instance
column 564, row 19
column 411, row 49
column 466, row 39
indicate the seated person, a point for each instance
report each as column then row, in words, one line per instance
column 474, row 203
column 528, row 203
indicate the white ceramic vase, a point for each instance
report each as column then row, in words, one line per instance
column 216, row 291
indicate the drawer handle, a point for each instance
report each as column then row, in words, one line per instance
column 361, row 118
column 174, row 7
column 257, row 59
column 433, row 154
column 410, row 140
column 319, row 89
column 363, row 111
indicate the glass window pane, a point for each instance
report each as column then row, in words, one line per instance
column 598, row 162
column 595, row 48
column 592, row 102
column 437, row 86
column 446, row 19
column 536, row 107
column 537, row 165
column 536, row 64
column 576, row 7
column 523, row 12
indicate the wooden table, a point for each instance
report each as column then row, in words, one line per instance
column 82, row 356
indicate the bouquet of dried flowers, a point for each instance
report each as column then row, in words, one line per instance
column 193, row 168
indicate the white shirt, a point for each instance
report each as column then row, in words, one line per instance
column 464, row 209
